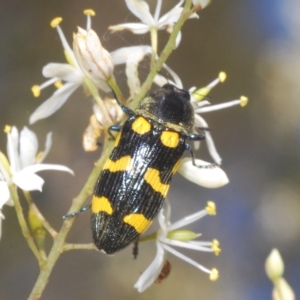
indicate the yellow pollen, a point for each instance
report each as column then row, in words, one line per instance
column 214, row 275
column 39, row 156
column 244, row 101
column 55, row 22
column 216, row 247
column 211, row 208
column 36, row 91
column 7, row 129
column 58, row 84
column 222, row 76
column 89, row 12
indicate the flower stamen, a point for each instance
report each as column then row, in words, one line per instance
column 211, row 208
column 89, row 13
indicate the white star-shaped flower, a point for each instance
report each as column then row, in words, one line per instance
column 141, row 10
column 23, row 163
column 170, row 235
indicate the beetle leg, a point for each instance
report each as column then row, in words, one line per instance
column 73, row 214
column 189, row 148
column 125, row 109
column 116, row 128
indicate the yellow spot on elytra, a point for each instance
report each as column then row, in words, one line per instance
column 141, row 126
column 58, row 84
column 176, row 166
column 211, row 208
column 222, row 76
column 138, row 221
column 36, row 91
column 101, row 204
column 55, row 22
column 170, row 139
column 122, row 164
column 7, row 129
column 244, row 101
column 152, row 177
column 214, row 275
column 89, row 12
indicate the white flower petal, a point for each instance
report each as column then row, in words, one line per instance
column 141, row 10
column 200, row 122
column 28, row 181
column 48, row 145
column 207, row 177
column 157, row 11
column 202, row 3
column 1, row 217
column 160, row 80
column 43, row 167
column 121, row 55
column 171, row 17
column 28, row 147
column 177, row 80
column 62, row 71
column 4, row 194
column 152, row 272
column 55, row 102
column 13, row 149
column 136, row 28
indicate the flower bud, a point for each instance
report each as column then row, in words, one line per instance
column 274, row 265
column 94, row 61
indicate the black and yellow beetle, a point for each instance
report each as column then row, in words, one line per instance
column 136, row 177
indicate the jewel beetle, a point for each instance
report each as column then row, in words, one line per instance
column 136, row 177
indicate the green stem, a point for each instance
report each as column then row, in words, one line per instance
column 90, row 246
column 34, row 208
column 169, row 47
column 23, row 224
column 59, row 240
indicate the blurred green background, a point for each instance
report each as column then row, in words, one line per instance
column 257, row 43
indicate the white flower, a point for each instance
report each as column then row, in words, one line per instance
column 25, row 160
column 74, row 74
column 69, row 72
column 168, row 235
column 141, row 10
column 23, row 163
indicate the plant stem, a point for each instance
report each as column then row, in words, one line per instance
column 23, row 224
column 59, row 240
column 169, row 47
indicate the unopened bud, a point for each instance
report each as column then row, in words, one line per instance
column 274, row 265
column 94, row 61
